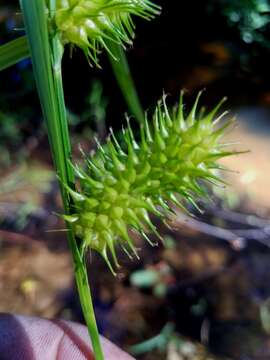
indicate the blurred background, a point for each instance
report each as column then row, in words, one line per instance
column 205, row 293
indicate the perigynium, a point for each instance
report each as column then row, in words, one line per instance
column 121, row 186
column 93, row 24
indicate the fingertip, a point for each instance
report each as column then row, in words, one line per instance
column 30, row 338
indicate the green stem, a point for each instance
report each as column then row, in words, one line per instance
column 81, row 276
column 124, row 78
column 46, row 53
column 57, row 52
column 84, row 291
column 82, row 281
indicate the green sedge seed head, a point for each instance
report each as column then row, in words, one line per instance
column 92, row 24
column 175, row 154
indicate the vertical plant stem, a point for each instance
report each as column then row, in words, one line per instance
column 88, row 309
column 81, row 275
column 57, row 54
column 124, row 78
column 46, row 59
column 84, row 291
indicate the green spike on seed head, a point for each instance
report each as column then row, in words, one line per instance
column 92, row 24
column 121, row 186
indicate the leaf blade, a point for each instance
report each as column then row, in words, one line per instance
column 13, row 52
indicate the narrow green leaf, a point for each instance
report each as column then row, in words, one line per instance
column 123, row 76
column 46, row 52
column 35, row 20
column 13, row 52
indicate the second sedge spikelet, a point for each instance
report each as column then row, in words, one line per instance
column 92, row 24
column 122, row 186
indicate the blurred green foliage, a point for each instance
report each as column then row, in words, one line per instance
column 10, row 138
column 251, row 17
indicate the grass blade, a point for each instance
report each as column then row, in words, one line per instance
column 124, row 78
column 46, row 53
column 38, row 38
column 13, row 52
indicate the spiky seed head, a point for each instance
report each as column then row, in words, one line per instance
column 120, row 187
column 93, row 24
